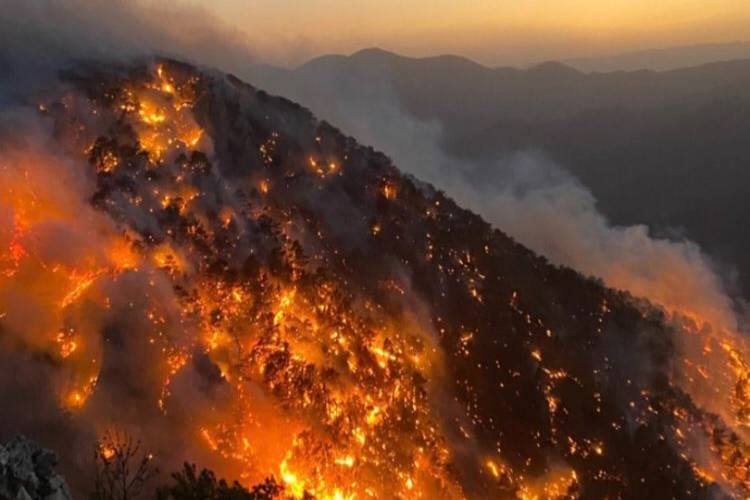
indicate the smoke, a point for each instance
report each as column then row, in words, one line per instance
column 44, row 248
column 77, row 354
column 38, row 37
column 60, row 249
column 525, row 195
column 60, row 245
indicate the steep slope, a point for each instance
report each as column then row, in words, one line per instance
column 267, row 295
column 466, row 95
column 666, row 149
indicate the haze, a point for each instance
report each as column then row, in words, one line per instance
column 493, row 32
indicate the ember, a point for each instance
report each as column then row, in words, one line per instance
column 353, row 334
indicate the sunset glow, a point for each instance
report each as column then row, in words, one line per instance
column 494, row 32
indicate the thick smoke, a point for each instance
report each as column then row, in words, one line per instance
column 61, row 247
column 72, row 287
column 38, row 37
column 37, row 227
column 74, row 300
column 524, row 195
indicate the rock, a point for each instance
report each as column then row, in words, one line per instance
column 4, row 457
column 23, row 495
column 21, row 464
column 44, row 463
column 27, row 472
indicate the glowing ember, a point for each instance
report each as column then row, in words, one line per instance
column 353, row 334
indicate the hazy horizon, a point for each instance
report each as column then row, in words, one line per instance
column 656, row 58
column 289, row 33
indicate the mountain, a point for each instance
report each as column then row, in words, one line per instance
column 664, row 59
column 241, row 284
column 666, row 149
column 458, row 91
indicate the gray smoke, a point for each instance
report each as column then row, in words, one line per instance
column 523, row 194
column 39, row 37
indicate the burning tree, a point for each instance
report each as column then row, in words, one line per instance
column 122, row 468
column 369, row 337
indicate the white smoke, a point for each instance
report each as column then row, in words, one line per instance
column 527, row 196
column 40, row 37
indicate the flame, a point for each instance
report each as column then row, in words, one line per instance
column 557, row 484
column 107, row 451
column 163, row 118
column 389, row 191
column 80, row 282
column 324, row 384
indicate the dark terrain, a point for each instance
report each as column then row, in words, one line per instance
column 667, row 149
column 280, row 272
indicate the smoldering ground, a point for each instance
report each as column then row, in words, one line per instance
column 522, row 194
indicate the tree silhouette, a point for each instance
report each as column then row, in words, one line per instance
column 191, row 485
column 121, row 468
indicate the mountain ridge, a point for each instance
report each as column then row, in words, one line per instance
column 600, row 127
column 472, row 281
column 267, row 296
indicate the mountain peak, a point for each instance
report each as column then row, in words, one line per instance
column 373, row 52
column 554, row 69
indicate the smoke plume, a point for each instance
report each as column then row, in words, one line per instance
column 72, row 271
column 523, row 194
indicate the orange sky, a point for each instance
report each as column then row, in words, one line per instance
column 490, row 31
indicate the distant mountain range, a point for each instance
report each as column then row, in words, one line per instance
column 664, row 59
column 666, row 148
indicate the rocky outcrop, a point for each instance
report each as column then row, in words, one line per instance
column 27, row 472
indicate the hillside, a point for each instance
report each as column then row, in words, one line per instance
column 666, row 149
column 245, row 286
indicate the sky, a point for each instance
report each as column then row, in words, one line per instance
column 493, row 32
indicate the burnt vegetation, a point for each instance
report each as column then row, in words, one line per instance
column 417, row 349
column 189, row 484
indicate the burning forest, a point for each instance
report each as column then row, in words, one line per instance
column 245, row 287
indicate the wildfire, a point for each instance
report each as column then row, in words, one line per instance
column 76, row 398
column 331, row 383
column 11, row 259
column 389, row 191
column 68, row 345
column 80, row 282
column 107, row 451
column 557, row 484
column 164, row 120
column 741, row 395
